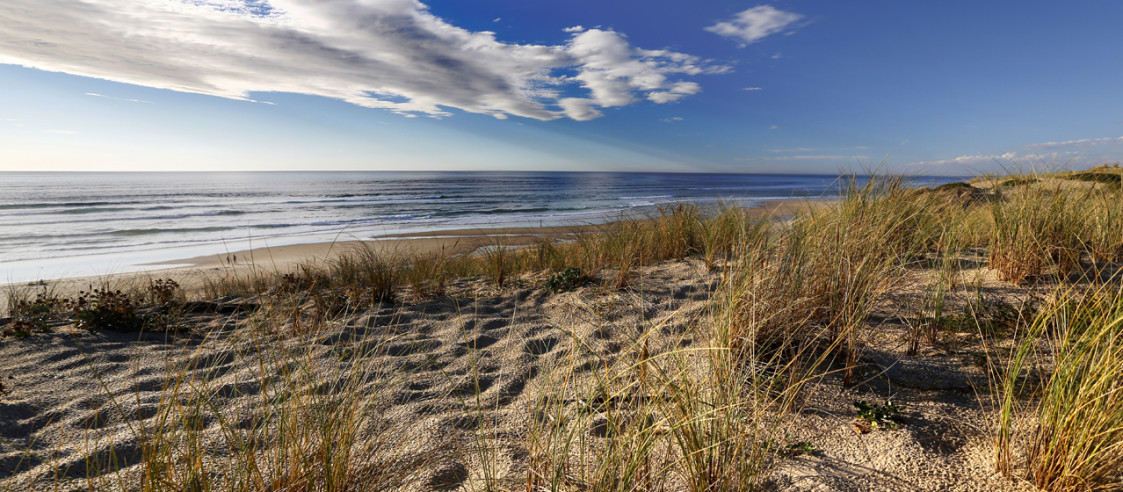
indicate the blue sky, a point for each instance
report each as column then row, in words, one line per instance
column 725, row 86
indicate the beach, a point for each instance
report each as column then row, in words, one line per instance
column 193, row 272
column 628, row 352
column 66, row 225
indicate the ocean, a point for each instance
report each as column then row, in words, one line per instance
column 56, row 225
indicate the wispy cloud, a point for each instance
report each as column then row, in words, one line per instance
column 752, row 88
column 94, row 94
column 1007, row 161
column 793, row 149
column 672, row 119
column 816, row 157
column 806, row 157
column 60, row 132
column 752, row 25
column 1084, row 142
column 390, row 54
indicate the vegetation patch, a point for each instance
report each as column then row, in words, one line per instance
column 1111, row 178
column 878, row 416
column 107, row 310
column 954, row 186
column 565, row 280
column 1012, row 182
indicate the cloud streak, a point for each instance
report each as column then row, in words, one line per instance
column 1084, row 142
column 1007, row 161
column 752, row 25
column 387, row 54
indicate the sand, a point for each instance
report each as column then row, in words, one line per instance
column 456, row 380
column 75, row 394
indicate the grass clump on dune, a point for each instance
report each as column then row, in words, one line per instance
column 299, row 422
column 1076, row 441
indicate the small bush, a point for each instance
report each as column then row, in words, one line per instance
column 107, row 310
column 163, row 292
column 34, row 315
column 565, row 280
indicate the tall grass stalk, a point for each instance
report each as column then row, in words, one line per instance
column 1077, row 440
column 1036, row 227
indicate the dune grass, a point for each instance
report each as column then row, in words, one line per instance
column 700, row 410
column 1076, row 346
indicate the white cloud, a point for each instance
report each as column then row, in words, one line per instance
column 752, row 25
column 388, row 54
column 94, row 94
column 752, row 88
column 579, row 109
column 672, row 119
column 577, row 28
column 1084, row 142
column 613, row 71
column 1005, row 162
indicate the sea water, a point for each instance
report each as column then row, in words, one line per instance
column 58, row 224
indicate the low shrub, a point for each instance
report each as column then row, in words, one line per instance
column 107, row 310
column 163, row 292
column 1111, row 178
column 565, row 280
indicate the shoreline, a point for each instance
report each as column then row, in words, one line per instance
column 193, row 272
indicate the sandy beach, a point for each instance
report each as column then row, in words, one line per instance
column 528, row 379
column 191, row 273
column 511, row 348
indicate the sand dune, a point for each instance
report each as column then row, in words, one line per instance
column 449, row 389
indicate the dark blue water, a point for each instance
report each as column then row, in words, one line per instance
column 69, row 224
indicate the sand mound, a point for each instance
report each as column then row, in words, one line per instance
column 447, row 387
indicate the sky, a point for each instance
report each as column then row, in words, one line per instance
column 796, row 86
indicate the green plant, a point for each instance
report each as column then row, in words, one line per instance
column 104, row 309
column 797, row 449
column 36, row 314
column 878, row 415
column 565, row 280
